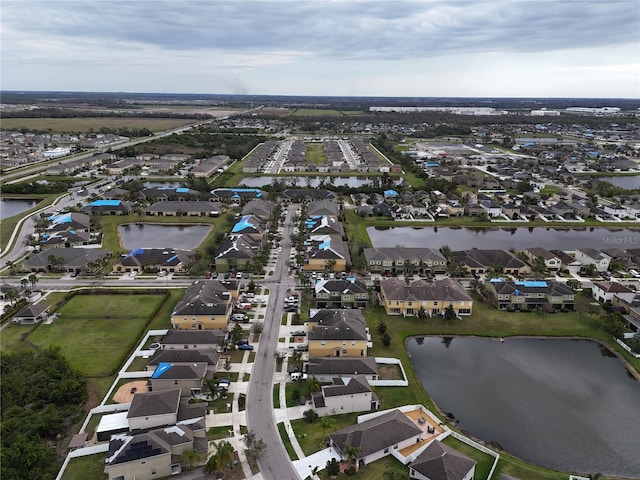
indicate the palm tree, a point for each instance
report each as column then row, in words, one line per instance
column 352, row 454
column 224, row 452
column 33, row 278
column 11, row 295
column 190, row 457
column 12, row 267
column 314, row 385
column 24, row 282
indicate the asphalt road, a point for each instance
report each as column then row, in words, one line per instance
column 275, row 464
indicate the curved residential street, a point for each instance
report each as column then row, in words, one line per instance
column 275, row 464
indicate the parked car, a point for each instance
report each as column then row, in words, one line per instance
column 297, row 376
column 290, row 309
column 303, row 347
column 242, row 342
column 133, row 273
column 162, row 273
column 299, row 333
column 244, row 306
column 239, row 276
column 245, row 346
column 239, row 317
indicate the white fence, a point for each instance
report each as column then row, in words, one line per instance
column 390, row 383
column 482, row 448
column 627, row 348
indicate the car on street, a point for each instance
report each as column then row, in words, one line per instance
column 245, row 346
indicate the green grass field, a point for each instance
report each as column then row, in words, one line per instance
column 95, row 332
column 315, row 154
column 63, row 125
column 90, row 467
column 316, row 112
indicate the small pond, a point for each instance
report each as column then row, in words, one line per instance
column 630, row 182
column 504, row 238
column 145, row 235
column 559, row 403
column 10, row 206
column 311, row 182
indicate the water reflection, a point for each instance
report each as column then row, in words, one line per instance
column 558, row 403
column 186, row 237
column 10, row 206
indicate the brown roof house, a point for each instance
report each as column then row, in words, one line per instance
column 400, row 298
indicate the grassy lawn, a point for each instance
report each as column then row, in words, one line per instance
column 217, row 433
column 11, row 338
column 286, row 441
column 311, row 436
column 63, row 125
column 276, row 395
column 97, row 343
column 301, row 386
column 313, row 112
column 85, row 468
column 315, row 154
column 376, row 470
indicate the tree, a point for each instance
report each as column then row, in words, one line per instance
column 310, row 415
column 12, row 296
column 613, row 324
column 352, row 453
column 314, row 385
column 257, row 327
column 450, row 313
column 12, row 267
column 224, row 452
column 386, row 339
column 538, row 265
column 191, row 458
column 255, row 446
column 331, row 265
column 236, row 333
column 422, row 313
column 573, row 284
column 327, row 422
column 296, row 396
column 333, row 468
column 24, row 282
column 382, row 327
column 33, row 278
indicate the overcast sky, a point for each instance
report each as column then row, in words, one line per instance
column 498, row 48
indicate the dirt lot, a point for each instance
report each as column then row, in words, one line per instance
column 389, row 372
column 124, row 395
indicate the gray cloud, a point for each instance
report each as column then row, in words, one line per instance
column 338, row 29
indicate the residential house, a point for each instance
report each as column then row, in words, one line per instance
column 237, row 252
column 155, row 259
column 296, row 195
column 210, row 356
column 605, row 291
column 154, row 409
column 70, row 260
column 439, row 461
column 185, row 208
column 532, row 295
column 252, row 226
column 337, row 333
column 481, row 261
column 206, row 305
column 423, row 261
column 382, row 210
column 31, row 314
column 345, row 395
column 341, row 293
column 592, row 256
column 63, row 222
column 260, row 208
column 153, row 454
column 629, row 303
column 567, row 262
column 400, row 298
column 325, row 369
column 323, row 207
column 236, row 194
column 192, row 339
column 187, row 377
column 165, row 194
column 67, row 238
column 376, row 437
column 326, row 253
column 551, row 261
column 108, row 207
column 324, row 225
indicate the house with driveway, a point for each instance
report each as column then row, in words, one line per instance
column 326, row 253
column 155, row 259
column 341, row 293
column 337, row 333
column 595, row 257
column 206, row 305
column 186, row 208
column 425, row 261
column 186, row 377
column 345, row 395
column 532, row 295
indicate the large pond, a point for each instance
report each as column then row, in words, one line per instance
column 562, row 404
column 311, row 182
column 10, row 207
column 186, row 237
column 504, row 238
column 627, row 181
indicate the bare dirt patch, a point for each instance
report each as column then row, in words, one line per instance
column 389, row 372
column 124, row 393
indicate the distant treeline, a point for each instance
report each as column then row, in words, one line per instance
column 53, row 112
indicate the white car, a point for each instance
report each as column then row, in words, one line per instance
column 162, row 273
column 133, row 273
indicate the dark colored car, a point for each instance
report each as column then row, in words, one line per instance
column 245, row 346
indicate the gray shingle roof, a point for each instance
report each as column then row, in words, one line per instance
column 154, row 403
column 376, row 434
column 342, row 366
column 442, row 462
